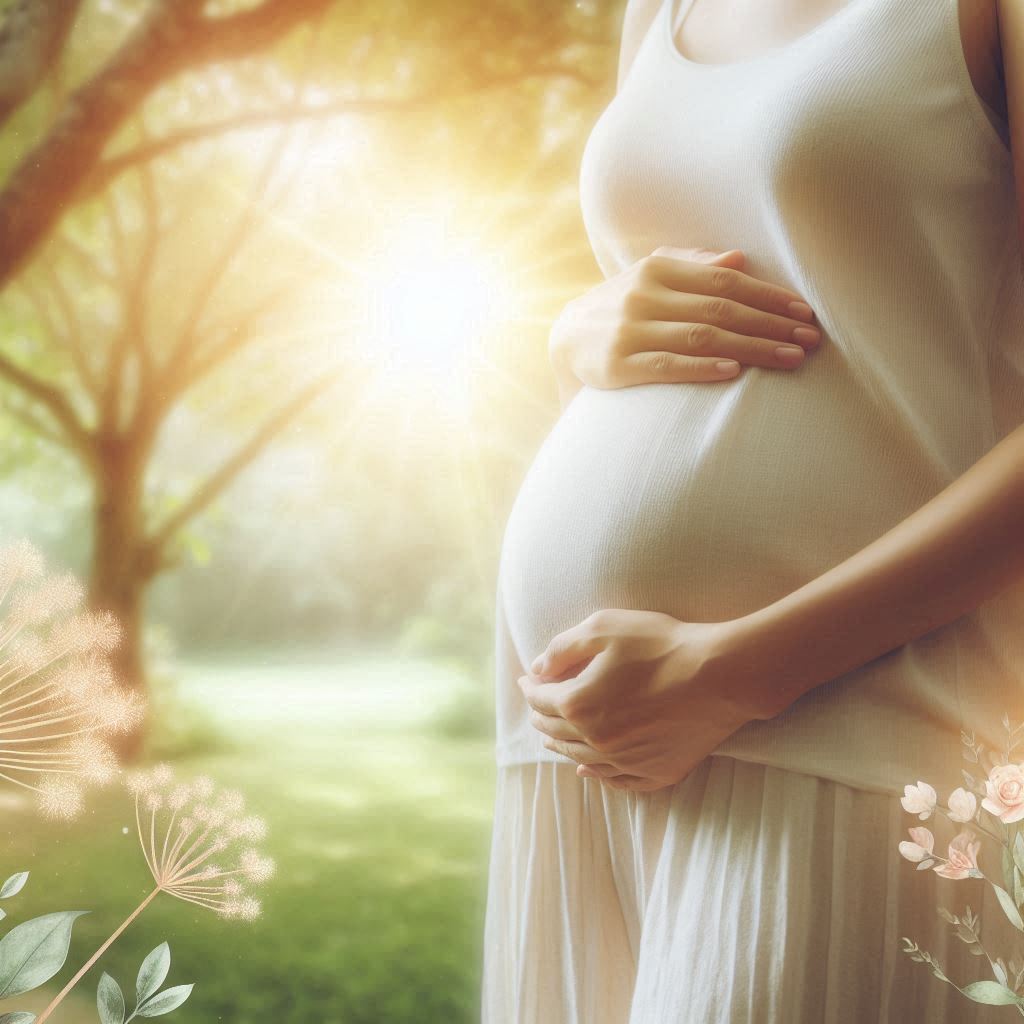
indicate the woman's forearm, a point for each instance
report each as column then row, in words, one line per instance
column 949, row 556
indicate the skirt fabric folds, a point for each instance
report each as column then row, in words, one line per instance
column 745, row 894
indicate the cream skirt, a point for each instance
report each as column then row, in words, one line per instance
column 745, row 894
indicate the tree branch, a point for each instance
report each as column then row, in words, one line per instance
column 109, row 169
column 209, row 490
column 36, row 425
column 54, row 401
column 172, row 38
column 31, row 39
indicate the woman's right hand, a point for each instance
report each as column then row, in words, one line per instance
column 672, row 317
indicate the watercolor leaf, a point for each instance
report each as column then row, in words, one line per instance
column 13, row 885
column 990, row 992
column 109, row 1001
column 164, row 1002
column 152, row 972
column 1009, row 907
column 999, row 970
column 1018, row 850
column 18, row 1017
column 33, row 952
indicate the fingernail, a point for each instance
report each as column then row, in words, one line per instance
column 537, row 665
column 801, row 311
column 809, row 334
column 790, row 354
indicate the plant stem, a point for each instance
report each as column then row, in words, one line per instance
column 99, row 952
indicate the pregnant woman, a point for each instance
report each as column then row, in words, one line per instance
column 737, row 613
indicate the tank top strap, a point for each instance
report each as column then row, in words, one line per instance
column 676, row 12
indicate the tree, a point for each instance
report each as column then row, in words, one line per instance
column 104, row 388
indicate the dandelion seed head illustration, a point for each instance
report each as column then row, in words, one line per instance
column 60, row 798
column 182, row 827
column 51, row 597
column 20, row 561
column 60, row 700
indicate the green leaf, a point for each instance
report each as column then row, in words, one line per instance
column 1009, row 907
column 990, row 992
column 1007, row 867
column 152, row 972
column 13, row 885
column 999, row 970
column 35, row 951
column 1018, row 850
column 18, row 1017
column 109, row 1001
column 1018, row 886
column 164, row 1002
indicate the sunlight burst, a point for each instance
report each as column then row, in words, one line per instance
column 429, row 301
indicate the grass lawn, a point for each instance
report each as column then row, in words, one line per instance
column 380, row 826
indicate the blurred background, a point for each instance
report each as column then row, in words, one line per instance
column 276, row 284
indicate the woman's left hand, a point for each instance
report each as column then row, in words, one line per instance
column 639, row 698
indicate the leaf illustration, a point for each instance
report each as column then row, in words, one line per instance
column 1007, row 867
column 1018, row 850
column 990, row 992
column 13, row 885
column 925, row 864
column 947, row 916
column 18, row 1017
column 3, row 913
column 999, row 970
column 152, row 972
column 164, row 1002
column 1009, row 907
column 33, row 952
column 109, row 1001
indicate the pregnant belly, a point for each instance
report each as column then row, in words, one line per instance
column 705, row 501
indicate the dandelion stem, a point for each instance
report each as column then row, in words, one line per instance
column 99, row 952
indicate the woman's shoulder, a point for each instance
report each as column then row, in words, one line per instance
column 635, row 22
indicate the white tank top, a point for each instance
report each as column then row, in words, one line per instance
column 857, row 166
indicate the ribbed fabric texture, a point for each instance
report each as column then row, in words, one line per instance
column 741, row 894
column 857, row 166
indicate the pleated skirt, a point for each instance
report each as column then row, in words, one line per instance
column 744, row 894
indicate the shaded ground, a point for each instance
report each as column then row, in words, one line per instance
column 380, row 827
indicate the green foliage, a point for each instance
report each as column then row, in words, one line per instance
column 109, row 1000
column 180, row 727
column 380, row 832
column 149, row 1002
column 33, row 952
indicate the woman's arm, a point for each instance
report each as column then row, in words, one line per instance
column 951, row 555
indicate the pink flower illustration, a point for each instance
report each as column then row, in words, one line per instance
column 1004, row 792
column 919, row 799
column 963, row 856
column 922, row 844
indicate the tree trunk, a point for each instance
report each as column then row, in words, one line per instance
column 121, row 571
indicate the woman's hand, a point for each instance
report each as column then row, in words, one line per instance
column 672, row 317
column 645, row 700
